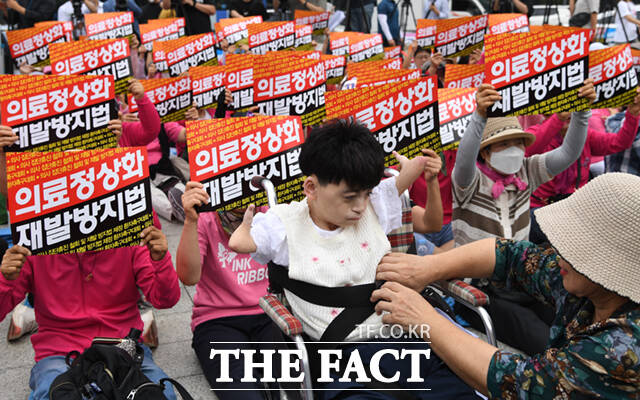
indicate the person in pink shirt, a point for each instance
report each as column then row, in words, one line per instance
column 81, row 296
column 550, row 134
column 229, row 285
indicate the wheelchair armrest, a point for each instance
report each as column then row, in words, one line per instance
column 461, row 290
column 281, row 315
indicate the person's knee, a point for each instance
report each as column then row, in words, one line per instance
column 43, row 374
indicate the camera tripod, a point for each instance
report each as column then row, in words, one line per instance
column 405, row 8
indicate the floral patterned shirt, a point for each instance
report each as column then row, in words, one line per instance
column 583, row 360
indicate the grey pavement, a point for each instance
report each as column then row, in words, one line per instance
column 174, row 353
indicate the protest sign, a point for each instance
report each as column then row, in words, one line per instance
column 171, row 96
column 358, row 68
column 456, row 106
column 460, row 36
column 635, row 56
column 303, row 38
column 73, row 202
column 188, row 51
column 613, row 75
column 537, row 73
column 239, row 68
column 52, row 113
column 365, row 47
column 111, row 25
column 379, row 76
column 160, row 30
column 289, row 85
column 159, row 57
column 318, row 20
column 463, row 75
column 234, row 30
column 271, row 36
column 67, row 27
column 339, row 43
column 334, row 68
column 392, row 52
column 31, row 46
column 508, row 23
column 426, row 33
column 94, row 57
column 402, row 116
column 206, row 84
column 224, row 154
column 310, row 54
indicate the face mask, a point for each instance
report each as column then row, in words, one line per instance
column 507, row 161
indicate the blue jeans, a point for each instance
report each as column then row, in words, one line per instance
column 47, row 369
column 439, row 238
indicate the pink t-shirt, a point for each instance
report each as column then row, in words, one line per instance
column 230, row 284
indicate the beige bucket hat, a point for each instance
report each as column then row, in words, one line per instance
column 596, row 230
column 504, row 128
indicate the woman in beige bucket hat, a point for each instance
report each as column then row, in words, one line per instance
column 589, row 276
column 492, row 182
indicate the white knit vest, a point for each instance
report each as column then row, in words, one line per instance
column 346, row 259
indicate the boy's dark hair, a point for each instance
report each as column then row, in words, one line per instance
column 343, row 150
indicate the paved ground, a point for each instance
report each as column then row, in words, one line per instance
column 174, row 354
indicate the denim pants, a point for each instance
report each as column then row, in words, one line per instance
column 357, row 20
column 47, row 369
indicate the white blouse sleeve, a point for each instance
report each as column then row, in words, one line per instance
column 270, row 237
column 387, row 204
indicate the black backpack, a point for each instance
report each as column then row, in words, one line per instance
column 109, row 372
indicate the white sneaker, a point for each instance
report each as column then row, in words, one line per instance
column 23, row 322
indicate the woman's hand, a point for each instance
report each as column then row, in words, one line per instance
column 404, row 306
column 407, row 269
column 486, row 96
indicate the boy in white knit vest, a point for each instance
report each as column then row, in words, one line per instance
column 337, row 235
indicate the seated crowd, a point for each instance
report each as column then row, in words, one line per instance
column 527, row 213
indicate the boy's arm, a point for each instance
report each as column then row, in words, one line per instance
column 429, row 219
column 410, row 170
column 241, row 240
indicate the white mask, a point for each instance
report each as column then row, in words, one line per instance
column 507, row 161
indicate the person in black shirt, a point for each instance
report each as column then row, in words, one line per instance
column 196, row 14
column 26, row 13
column 246, row 8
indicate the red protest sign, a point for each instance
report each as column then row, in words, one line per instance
column 31, row 46
column 463, row 75
column 537, row 73
column 455, row 108
column 171, row 96
column 94, row 57
column 288, row 85
column 271, row 36
column 614, row 76
column 206, row 84
column 460, row 36
column 188, row 51
column 51, row 113
column 224, row 154
column 111, row 25
column 234, row 30
column 508, row 23
column 239, row 80
column 426, row 33
column 68, row 202
column 403, row 116
column 160, row 30
column 317, row 19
